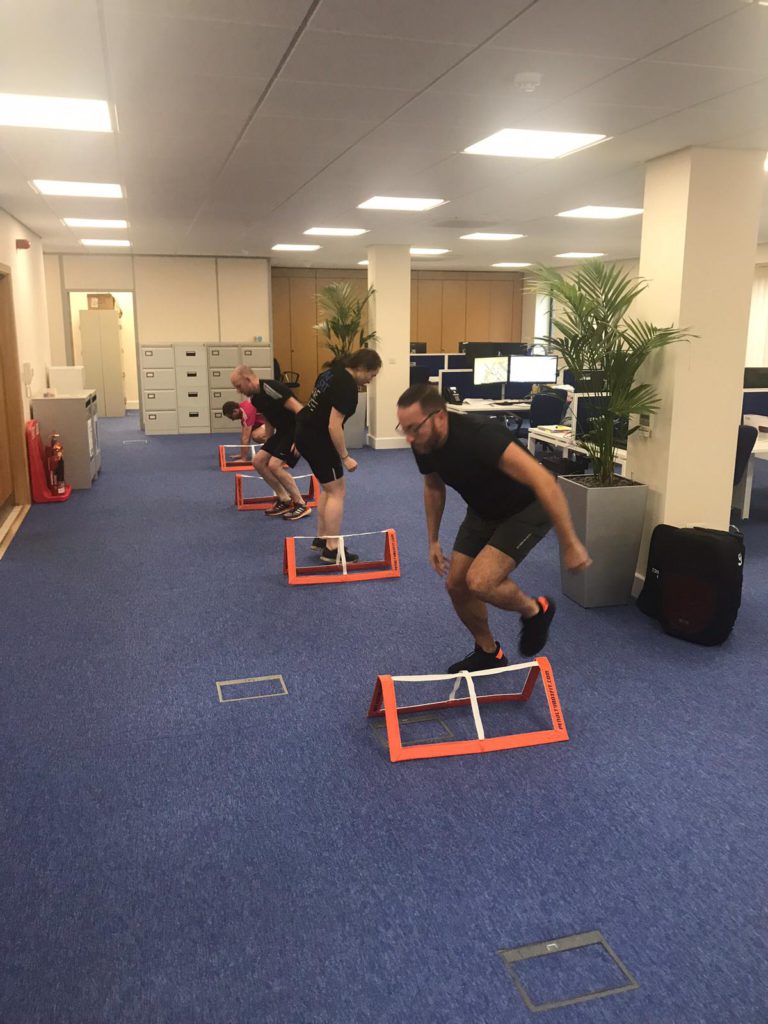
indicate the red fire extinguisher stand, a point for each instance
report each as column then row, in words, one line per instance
column 41, row 492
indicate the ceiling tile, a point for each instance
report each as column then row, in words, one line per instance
column 650, row 83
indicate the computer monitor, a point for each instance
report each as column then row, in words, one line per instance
column 590, row 406
column 490, row 370
column 418, row 347
column 533, row 369
column 483, row 349
column 589, row 380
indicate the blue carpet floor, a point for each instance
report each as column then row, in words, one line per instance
column 167, row 859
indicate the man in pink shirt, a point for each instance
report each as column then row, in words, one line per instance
column 253, row 429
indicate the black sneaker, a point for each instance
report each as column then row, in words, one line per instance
column 318, row 544
column 297, row 512
column 331, row 555
column 480, row 659
column 534, row 632
column 279, row 508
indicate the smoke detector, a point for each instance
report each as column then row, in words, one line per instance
column 527, row 81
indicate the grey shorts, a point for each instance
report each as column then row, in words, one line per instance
column 514, row 536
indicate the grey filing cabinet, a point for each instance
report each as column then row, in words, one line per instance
column 192, row 389
column 157, row 386
column 75, row 418
column 222, row 360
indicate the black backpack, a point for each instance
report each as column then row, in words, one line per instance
column 693, row 582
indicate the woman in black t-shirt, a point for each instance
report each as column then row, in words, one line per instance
column 320, row 439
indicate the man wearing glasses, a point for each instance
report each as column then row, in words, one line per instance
column 511, row 503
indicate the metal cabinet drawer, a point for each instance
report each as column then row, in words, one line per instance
column 221, row 424
column 218, row 396
column 223, row 355
column 161, row 423
column 190, row 377
column 257, row 357
column 154, row 379
column 156, row 355
column 194, row 421
column 193, row 398
column 190, row 355
column 160, row 399
column 219, row 377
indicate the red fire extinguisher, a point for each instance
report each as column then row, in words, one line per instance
column 54, row 464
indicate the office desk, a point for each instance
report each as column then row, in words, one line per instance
column 564, row 442
column 486, row 407
column 742, row 493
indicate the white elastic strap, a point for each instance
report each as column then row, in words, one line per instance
column 456, row 686
column 338, row 536
column 257, row 476
column 341, row 557
column 475, row 708
column 452, row 675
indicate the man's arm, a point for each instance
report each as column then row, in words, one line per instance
column 336, row 430
column 245, row 441
column 521, row 466
column 293, row 405
column 434, row 503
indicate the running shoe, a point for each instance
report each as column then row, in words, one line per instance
column 534, row 631
column 479, row 660
column 279, row 508
column 318, row 544
column 297, row 512
column 331, row 555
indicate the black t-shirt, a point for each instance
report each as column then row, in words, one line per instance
column 268, row 400
column 468, row 462
column 335, row 388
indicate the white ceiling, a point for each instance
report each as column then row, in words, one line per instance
column 244, row 122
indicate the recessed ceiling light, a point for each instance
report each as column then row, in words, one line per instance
column 578, row 255
column 521, row 142
column 511, row 265
column 340, row 232
column 54, row 112
column 87, row 189
column 121, row 242
column 362, row 263
column 93, row 222
column 602, row 212
column 400, row 203
column 428, row 252
column 295, row 248
column 490, row 236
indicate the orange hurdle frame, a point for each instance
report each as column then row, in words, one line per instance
column 386, row 569
column 384, row 704
column 233, row 467
column 265, row 501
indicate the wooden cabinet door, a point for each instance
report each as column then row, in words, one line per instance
column 303, row 335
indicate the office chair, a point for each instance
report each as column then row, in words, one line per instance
column 744, row 445
column 419, row 375
column 546, row 410
column 276, row 371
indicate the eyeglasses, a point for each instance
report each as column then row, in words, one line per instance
column 413, row 431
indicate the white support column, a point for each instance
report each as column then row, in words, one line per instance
column 701, row 214
column 389, row 272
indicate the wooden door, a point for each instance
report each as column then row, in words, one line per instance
column 7, row 496
column 303, row 335
column 14, row 476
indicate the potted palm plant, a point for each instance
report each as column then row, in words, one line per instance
column 604, row 348
column 344, row 327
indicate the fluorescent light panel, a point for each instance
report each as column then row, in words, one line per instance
column 86, row 189
column 602, row 212
column 400, row 203
column 123, row 243
column 362, row 263
column 19, row 111
column 93, row 222
column 533, row 145
column 511, row 265
column 295, row 248
column 337, row 232
column 578, row 255
column 428, row 252
column 490, row 236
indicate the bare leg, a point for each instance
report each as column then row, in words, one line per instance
column 321, row 503
column 332, row 511
column 469, row 608
column 487, row 580
column 285, row 480
column 261, row 461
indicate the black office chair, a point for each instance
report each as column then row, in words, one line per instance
column 744, row 445
column 546, row 410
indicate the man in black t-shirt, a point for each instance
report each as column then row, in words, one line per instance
column 277, row 405
column 511, row 503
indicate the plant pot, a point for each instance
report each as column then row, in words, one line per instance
column 609, row 520
column 355, row 428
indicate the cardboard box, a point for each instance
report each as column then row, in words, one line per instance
column 101, row 301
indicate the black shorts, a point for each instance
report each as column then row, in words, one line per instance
column 319, row 451
column 279, row 446
column 514, row 536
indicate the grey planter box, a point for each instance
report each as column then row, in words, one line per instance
column 609, row 520
column 355, row 428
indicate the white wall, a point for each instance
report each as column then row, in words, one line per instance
column 29, row 299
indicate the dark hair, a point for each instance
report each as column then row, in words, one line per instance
column 428, row 397
column 229, row 409
column 361, row 359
